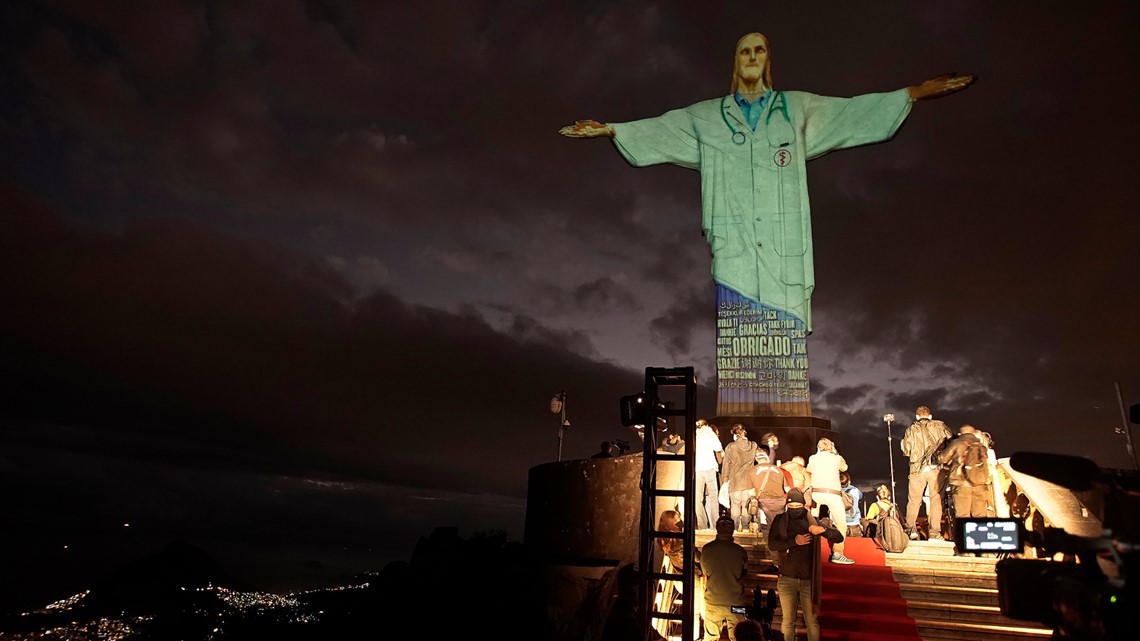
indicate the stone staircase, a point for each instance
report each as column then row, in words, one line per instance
column 948, row 596
column 954, row 597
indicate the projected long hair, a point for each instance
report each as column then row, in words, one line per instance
column 766, row 77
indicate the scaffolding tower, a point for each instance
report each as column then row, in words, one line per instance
column 668, row 598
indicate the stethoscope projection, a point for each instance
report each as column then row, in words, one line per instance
column 778, row 104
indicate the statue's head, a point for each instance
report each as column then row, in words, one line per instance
column 751, row 61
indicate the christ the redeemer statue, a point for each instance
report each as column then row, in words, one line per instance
column 752, row 148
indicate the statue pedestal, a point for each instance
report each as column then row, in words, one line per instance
column 797, row 434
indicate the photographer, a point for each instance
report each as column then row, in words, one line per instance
column 724, row 564
column 607, row 451
column 968, row 475
column 921, row 444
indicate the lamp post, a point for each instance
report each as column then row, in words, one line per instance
column 1126, row 429
column 558, row 406
column 888, row 419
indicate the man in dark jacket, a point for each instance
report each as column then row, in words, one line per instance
column 796, row 534
column 921, row 444
column 970, row 500
column 723, row 563
column 739, row 457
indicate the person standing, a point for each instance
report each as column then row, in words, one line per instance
column 921, row 444
column 724, row 564
column 708, row 456
column 825, row 466
column 739, row 457
column 970, row 496
column 795, row 534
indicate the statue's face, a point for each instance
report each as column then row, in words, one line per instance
column 751, row 58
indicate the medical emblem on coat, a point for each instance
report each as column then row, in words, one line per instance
column 782, row 158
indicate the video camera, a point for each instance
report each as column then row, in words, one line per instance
column 762, row 610
column 1086, row 596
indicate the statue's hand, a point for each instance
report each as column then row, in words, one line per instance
column 940, row 86
column 587, row 129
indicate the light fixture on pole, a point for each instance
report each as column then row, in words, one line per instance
column 888, row 419
column 558, row 406
column 1125, row 429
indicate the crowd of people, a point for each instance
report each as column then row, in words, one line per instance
column 795, row 505
column 748, row 479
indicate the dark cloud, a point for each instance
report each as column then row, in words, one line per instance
column 673, row 329
column 845, row 396
column 601, row 294
column 170, row 326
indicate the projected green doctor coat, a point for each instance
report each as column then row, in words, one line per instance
column 754, row 197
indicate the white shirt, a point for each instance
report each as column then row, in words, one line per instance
column 825, row 468
column 708, row 443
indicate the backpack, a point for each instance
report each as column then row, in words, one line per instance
column 889, row 532
column 769, row 486
column 976, row 464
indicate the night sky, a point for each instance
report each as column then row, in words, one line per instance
column 295, row 281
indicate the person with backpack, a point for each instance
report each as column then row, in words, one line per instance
column 795, row 534
column 883, row 524
column 882, row 504
column 739, row 458
column 921, row 443
column 771, row 487
column 967, row 459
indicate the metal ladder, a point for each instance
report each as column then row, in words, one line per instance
column 652, row 578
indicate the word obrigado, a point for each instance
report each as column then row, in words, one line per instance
column 756, row 346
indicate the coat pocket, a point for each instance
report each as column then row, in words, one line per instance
column 727, row 239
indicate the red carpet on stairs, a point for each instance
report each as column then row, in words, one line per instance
column 862, row 602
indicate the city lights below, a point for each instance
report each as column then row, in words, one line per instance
column 221, row 608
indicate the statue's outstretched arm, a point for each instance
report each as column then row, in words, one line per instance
column 940, row 86
column 587, row 129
